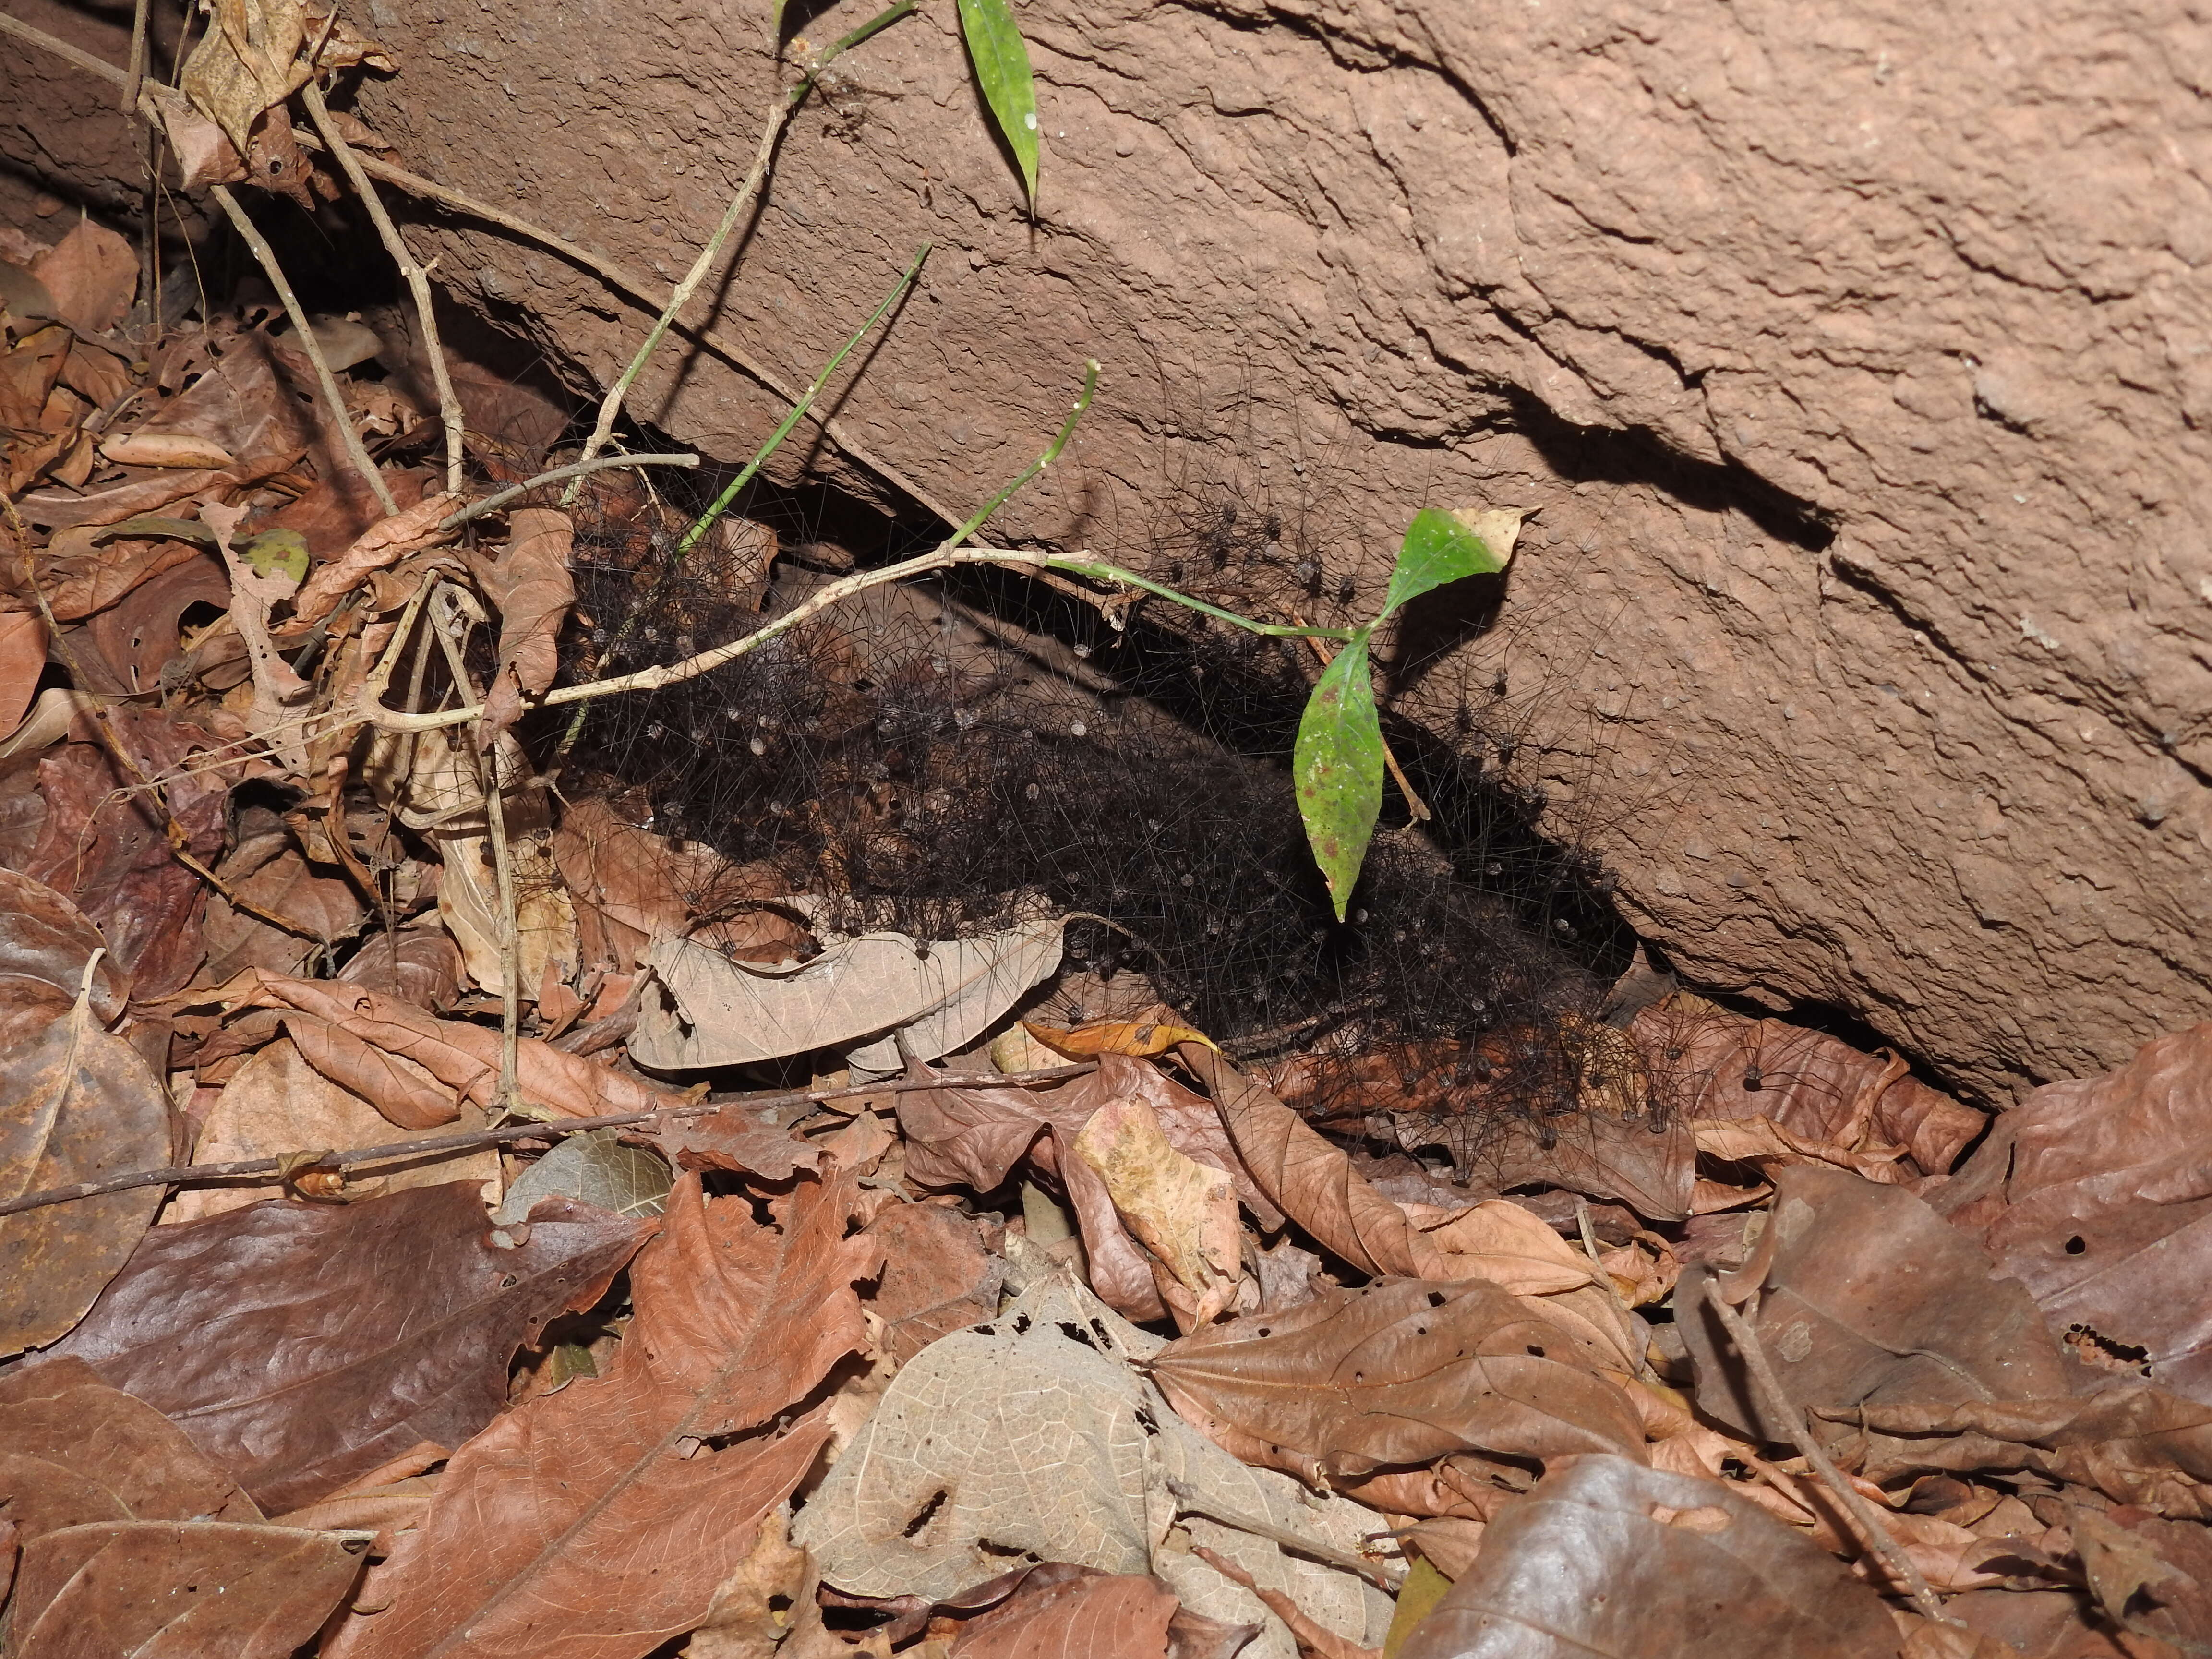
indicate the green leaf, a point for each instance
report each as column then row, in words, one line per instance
column 1002, row 67
column 1337, row 766
column 277, row 553
column 775, row 21
column 1442, row 547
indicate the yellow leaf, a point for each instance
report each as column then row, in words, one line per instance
column 1154, row 1033
column 1182, row 1210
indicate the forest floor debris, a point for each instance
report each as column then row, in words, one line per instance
column 997, row 1309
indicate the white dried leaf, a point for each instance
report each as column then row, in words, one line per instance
column 710, row 1011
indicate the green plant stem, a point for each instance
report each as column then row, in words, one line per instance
column 721, row 504
column 798, row 412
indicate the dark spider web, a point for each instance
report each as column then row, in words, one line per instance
column 940, row 758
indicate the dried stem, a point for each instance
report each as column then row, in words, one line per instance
column 493, row 502
column 779, row 117
column 355, row 452
column 254, row 1167
column 417, row 279
column 1875, row 1535
column 173, row 832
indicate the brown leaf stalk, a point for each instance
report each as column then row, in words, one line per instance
column 260, row 1168
column 417, row 279
column 1869, row 1524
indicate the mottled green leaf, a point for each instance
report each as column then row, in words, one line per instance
column 278, row 553
column 1002, row 69
column 1338, row 769
column 1442, row 547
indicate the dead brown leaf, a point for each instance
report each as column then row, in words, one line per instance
column 23, row 659
column 45, row 942
column 416, row 965
column 1865, row 1297
column 417, row 1069
column 276, row 1104
column 92, row 275
column 108, row 851
column 76, row 1103
column 1182, row 1210
column 529, row 585
column 2094, row 1194
column 532, row 1539
column 242, row 1590
column 1065, row 1612
column 1308, row 1179
column 300, row 1343
column 937, row 1277
column 1609, row 1558
column 74, row 1451
column 1399, row 1373
column 1718, row 1066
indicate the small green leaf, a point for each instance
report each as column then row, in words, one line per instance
column 277, row 553
column 1002, row 68
column 775, row 21
column 1337, row 767
column 1442, row 547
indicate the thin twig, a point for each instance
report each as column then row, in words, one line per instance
column 417, row 279
column 1191, row 1501
column 446, row 621
column 493, row 502
column 199, row 1173
column 779, row 117
column 372, row 709
column 356, row 450
column 1645, row 1369
column 1876, row 1536
column 134, row 81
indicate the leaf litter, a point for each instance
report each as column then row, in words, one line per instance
column 1084, row 1299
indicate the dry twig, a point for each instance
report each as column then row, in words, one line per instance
column 260, row 1168
column 1872, row 1532
column 356, row 452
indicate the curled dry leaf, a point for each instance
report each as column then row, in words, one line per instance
column 44, row 943
column 709, row 1011
column 2093, row 1192
column 2135, row 1444
column 242, row 1590
column 416, row 965
column 276, row 1104
column 1607, row 1557
column 1310, row 1179
column 1503, row 1243
column 529, row 584
column 1034, row 1433
column 736, row 1137
column 245, row 404
column 1182, row 1210
column 532, row 1539
column 365, row 1040
column 1398, row 1373
column 1867, row 1296
column 1717, row 1066
column 380, row 546
column 300, row 1345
